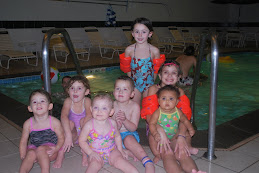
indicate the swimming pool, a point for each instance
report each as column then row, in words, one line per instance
column 237, row 88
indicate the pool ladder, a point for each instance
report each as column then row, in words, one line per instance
column 213, row 91
column 45, row 55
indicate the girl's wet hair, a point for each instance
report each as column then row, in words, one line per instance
column 81, row 79
column 103, row 97
column 171, row 62
column 144, row 21
column 126, row 78
column 40, row 91
column 168, row 88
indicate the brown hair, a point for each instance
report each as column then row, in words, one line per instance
column 81, row 79
column 40, row 91
column 168, row 88
column 126, row 78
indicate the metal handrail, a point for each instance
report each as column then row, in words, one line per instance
column 45, row 55
column 197, row 76
column 213, row 98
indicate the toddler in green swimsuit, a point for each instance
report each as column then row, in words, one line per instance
column 168, row 117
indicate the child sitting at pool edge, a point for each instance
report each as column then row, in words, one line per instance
column 127, row 114
column 45, row 133
column 169, row 74
column 101, row 140
column 168, row 117
column 75, row 113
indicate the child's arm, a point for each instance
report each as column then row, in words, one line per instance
column 88, row 104
column 186, row 123
column 118, row 140
column 181, row 144
column 132, row 123
column 66, row 124
column 56, row 125
column 128, row 51
column 152, row 125
column 83, row 142
column 24, row 139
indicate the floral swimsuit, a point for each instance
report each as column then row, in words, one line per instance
column 102, row 144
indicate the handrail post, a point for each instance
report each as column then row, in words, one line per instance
column 45, row 55
column 213, row 99
column 197, row 76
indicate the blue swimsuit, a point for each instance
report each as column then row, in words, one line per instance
column 142, row 72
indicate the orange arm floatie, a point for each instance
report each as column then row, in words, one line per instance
column 125, row 63
column 149, row 105
column 158, row 62
column 184, row 106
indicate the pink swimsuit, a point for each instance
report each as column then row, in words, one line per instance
column 77, row 117
column 103, row 145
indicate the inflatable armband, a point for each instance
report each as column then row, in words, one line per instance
column 158, row 62
column 149, row 105
column 125, row 63
column 184, row 106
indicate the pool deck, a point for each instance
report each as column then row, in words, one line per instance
column 236, row 141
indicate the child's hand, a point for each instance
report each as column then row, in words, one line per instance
column 94, row 155
column 68, row 144
column 182, row 147
column 120, row 116
column 157, row 137
column 119, row 124
column 22, row 156
column 124, row 155
column 51, row 151
column 191, row 132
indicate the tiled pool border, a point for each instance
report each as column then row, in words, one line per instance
column 68, row 73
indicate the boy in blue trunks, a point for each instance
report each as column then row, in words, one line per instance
column 127, row 114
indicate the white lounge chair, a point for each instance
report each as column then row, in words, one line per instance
column 7, row 52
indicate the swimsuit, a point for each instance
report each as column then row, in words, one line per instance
column 77, row 117
column 142, row 72
column 187, row 81
column 169, row 122
column 127, row 133
column 40, row 137
column 103, row 145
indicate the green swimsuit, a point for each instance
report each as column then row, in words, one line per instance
column 169, row 122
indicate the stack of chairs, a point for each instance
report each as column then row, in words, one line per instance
column 7, row 52
column 97, row 41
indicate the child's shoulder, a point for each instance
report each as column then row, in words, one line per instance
column 153, row 89
column 54, row 119
column 181, row 91
column 27, row 123
column 129, row 49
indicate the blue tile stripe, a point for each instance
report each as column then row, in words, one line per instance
column 70, row 73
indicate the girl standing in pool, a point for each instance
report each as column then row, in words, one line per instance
column 45, row 133
column 169, row 74
column 141, row 60
column 75, row 113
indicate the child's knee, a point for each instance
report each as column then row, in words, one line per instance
column 31, row 154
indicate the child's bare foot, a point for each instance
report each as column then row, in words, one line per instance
column 59, row 160
column 84, row 160
column 194, row 171
column 156, row 159
column 129, row 153
column 193, row 150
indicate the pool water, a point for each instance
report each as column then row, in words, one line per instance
column 237, row 89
